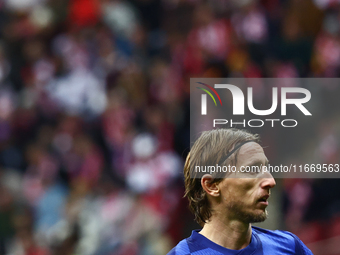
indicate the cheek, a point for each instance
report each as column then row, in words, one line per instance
column 240, row 187
column 246, row 189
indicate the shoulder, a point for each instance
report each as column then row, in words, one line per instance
column 281, row 240
column 182, row 248
column 196, row 244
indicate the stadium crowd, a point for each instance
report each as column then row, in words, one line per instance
column 94, row 115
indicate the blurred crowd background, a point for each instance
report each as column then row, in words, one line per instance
column 94, row 116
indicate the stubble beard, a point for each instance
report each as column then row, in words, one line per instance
column 239, row 212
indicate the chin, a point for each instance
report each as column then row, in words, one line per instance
column 251, row 215
column 258, row 217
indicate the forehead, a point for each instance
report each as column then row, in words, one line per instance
column 251, row 153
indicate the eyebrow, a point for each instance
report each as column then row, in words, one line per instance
column 258, row 162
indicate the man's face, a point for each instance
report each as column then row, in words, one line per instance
column 245, row 196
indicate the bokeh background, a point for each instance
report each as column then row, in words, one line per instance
column 94, row 116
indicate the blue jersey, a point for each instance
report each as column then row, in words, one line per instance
column 263, row 242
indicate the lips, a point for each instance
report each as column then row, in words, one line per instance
column 264, row 199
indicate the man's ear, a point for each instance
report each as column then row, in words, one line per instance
column 211, row 188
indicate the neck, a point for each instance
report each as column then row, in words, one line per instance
column 231, row 234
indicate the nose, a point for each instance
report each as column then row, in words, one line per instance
column 268, row 182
